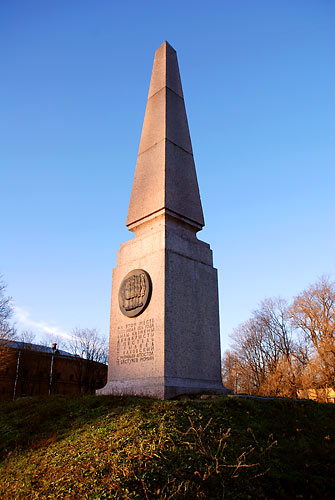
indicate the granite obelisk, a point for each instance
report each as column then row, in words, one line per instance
column 164, row 328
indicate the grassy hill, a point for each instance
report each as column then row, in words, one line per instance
column 136, row 448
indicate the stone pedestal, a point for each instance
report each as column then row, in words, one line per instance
column 173, row 346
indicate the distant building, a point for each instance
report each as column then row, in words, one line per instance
column 35, row 370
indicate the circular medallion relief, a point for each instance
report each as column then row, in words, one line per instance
column 134, row 293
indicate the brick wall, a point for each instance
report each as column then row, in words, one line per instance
column 25, row 371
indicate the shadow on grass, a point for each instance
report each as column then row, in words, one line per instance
column 35, row 422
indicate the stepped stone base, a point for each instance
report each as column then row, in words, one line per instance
column 159, row 388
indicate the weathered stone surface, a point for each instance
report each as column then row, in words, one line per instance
column 136, row 365
column 181, row 185
column 165, row 118
column 173, row 187
column 172, row 346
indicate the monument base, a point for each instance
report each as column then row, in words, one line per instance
column 161, row 388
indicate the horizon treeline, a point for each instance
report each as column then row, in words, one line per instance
column 285, row 348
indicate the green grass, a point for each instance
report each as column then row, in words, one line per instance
column 136, row 448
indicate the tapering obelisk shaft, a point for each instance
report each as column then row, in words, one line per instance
column 165, row 177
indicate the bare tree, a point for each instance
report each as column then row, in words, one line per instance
column 7, row 330
column 231, row 374
column 50, row 339
column 284, row 348
column 248, row 348
column 313, row 312
column 88, row 344
column 26, row 336
column 267, row 355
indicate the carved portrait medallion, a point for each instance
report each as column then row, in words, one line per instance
column 134, row 293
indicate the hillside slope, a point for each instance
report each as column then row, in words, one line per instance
column 112, row 447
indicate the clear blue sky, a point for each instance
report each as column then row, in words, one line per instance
column 258, row 79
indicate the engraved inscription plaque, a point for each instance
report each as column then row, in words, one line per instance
column 135, row 342
column 135, row 293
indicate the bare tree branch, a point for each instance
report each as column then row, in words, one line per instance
column 7, row 330
column 88, row 344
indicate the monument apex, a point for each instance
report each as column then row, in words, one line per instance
column 164, row 328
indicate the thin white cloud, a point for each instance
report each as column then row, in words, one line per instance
column 23, row 317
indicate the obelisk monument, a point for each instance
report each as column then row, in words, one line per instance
column 164, row 328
